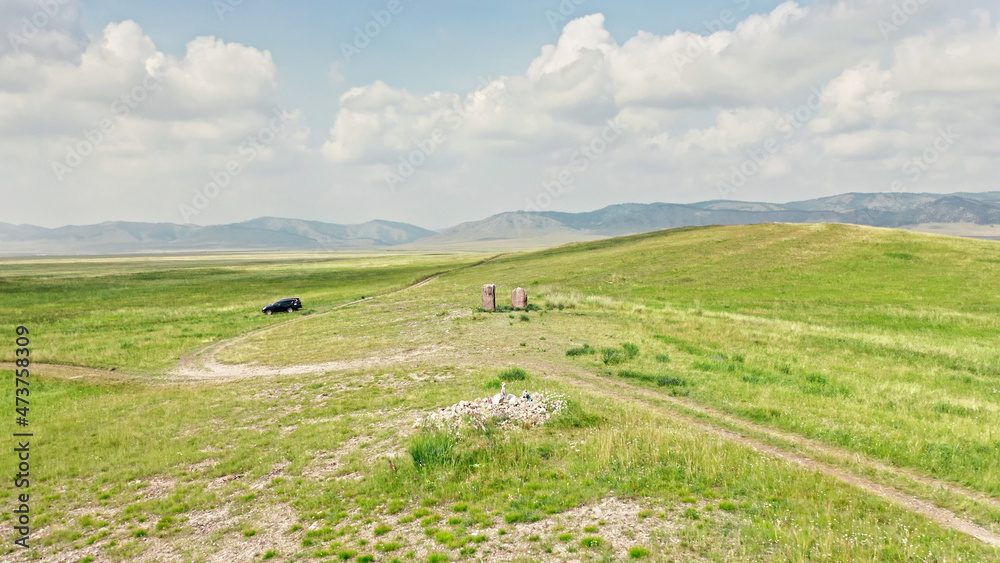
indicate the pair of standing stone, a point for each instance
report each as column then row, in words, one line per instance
column 518, row 299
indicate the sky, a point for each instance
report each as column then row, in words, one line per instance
column 435, row 112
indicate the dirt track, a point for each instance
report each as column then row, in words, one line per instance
column 202, row 365
column 943, row 517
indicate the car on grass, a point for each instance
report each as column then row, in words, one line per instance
column 289, row 305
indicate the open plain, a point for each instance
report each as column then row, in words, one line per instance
column 748, row 393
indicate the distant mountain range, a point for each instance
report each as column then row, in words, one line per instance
column 266, row 233
column 957, row 214
column 963, row 214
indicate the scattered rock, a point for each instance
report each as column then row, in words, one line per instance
column 511, row 411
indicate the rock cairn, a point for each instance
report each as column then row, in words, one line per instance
column 512, row 411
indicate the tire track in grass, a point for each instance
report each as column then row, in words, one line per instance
column 809, row 443
column 944, row 517
column 202, row 363
column 670, row 406
column 199, row 364
column 941, row 516
column 843, row 455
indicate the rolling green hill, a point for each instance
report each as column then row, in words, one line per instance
column 868, row 338
column 735, row 394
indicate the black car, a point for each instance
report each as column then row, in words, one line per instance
column 290, row 304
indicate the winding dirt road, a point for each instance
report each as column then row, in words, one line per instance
column 203, row 365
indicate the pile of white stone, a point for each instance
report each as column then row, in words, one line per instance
column 524, row 410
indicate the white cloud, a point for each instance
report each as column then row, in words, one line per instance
column 120, row 126
column 696, row 105
column 44, row 29
column 579, row 36
column 214, row 75
column 692, row 107
column 734, row 130
column 857, row 98
column 960, row 57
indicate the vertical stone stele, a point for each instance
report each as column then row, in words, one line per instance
column 490, row 297
column 519, row 299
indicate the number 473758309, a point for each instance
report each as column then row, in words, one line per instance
column 21, row 374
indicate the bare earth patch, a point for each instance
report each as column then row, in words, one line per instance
column 223, row 539
column 218, row 535
column 618, row 524
column 157, row 488
column 330, row 464
column 213, row 369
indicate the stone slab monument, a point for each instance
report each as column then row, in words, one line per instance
column 490, row 297
column 519, row 299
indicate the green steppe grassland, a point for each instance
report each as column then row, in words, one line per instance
column 752, row 393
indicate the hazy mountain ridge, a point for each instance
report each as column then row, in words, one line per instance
column 876, row 210
column 266, row 233
column 542, row 228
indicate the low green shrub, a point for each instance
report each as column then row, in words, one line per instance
column 575, row 416
column 631, row 350
column 638, row 552
column 584, row 350
column 430, row 448
column 612, row 356
column 667, row 381
column 513, row 374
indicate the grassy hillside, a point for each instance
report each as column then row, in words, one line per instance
column 142, row 314
column 879, row 343
column 790, row 271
